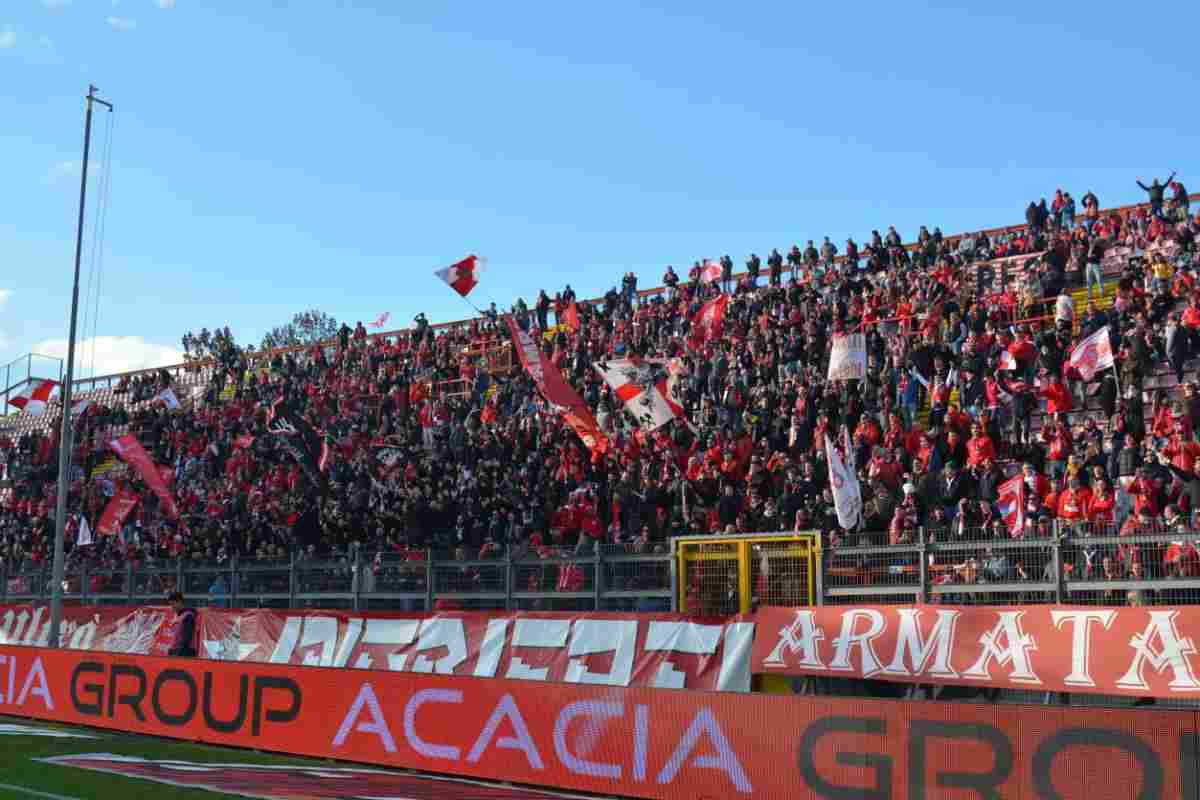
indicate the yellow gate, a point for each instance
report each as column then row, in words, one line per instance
column 735, row 573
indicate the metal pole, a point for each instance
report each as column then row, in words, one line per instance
column 64, row 445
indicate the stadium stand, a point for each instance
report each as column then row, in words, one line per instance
column 440, row 446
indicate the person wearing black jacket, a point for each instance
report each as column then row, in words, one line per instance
column 1155, row 192
column 183, row 642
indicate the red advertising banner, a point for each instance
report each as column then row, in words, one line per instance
column 131, row 452
column 1121, row 651
column 116, row 511
column 635, row 742
column 665, row 651
column 557, row 391
column 113, row 629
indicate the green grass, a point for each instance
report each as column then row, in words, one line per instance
column 19, row 765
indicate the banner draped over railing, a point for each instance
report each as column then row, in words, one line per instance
column 1119, row 651
column 656, row 650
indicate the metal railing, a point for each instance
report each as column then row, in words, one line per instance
column 607, row 578
column 1076, row 564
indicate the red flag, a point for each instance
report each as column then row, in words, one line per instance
column 379, row 321
column 1012, row 504
column 462, row 276
column 123, row 502
column 710, row 319
column 1093, row 354
column 571, row 317
column 710, row 271
column 131, row 451
column 557, row 391
column 34, row 398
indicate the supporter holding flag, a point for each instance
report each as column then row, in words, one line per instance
column 1093, row 354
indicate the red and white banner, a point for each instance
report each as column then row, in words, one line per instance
column 131, row 452
column 709, row 321
column 666, row 651
column 848, row 358
column 557, row 391
column 115, row 513
column 1140, row 652
column 35, row 397
column 462, row 276
column 643, row 386
column 660, row 650
column 1011, row 503
column 111, row 629
column 1093, row 354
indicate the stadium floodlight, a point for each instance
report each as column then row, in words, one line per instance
column 64, row 442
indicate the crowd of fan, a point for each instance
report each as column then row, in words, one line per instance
column 492, row 467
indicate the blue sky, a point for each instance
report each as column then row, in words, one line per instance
column 270, row 156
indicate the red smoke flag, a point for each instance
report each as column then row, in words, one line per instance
column 710, row 271
column 123, row 502
column 35, row 397
column 132, row 453
column 710, row 319
column 463, row 276
column 379, row 321
column 1012, row 504
column 571, row 317
column 1093, row 354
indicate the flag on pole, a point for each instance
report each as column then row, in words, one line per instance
column 35, row 397
column 380, row 321
column 84, row 536
column 462, row 276
column 113, row 518
column 1011, row 502
column 847, row 494
column 710, row 271
column 710, row 319
column 1093, row 354
column 642, row 385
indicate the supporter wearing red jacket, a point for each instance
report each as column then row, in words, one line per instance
column 1058, row 396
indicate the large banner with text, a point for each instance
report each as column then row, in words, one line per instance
column 1121, row 651
column 636, row 742
column 666, row 651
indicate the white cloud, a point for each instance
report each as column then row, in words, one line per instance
column 122, row 23
column 8, row 38
column 166, row 3
column 113, row 354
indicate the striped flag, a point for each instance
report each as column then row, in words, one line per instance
column 35, row 397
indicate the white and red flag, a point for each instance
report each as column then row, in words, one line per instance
column 1007, row 360
column 1011, row 502
column 710, row 271
column 35, row 397
column 643, row 386
column 710, row 319
column 463, row 276
column 380, row 321
column 1093, row 354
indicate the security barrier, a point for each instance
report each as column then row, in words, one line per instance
column 735, row 573
column 707, row 746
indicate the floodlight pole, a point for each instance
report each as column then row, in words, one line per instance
column 64, row 444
